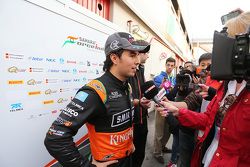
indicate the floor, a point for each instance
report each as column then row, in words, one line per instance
column 149, row 160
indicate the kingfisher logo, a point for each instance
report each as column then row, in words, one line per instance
column 70, row 40
column 16, row 107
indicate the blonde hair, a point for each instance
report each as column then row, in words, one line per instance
column 238, row 25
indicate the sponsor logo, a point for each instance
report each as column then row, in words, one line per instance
column 74, row 71
column 48, row 102
column 54, row 111
column 114, row 45
column 50, row 60
column 114, row 95
column 14, row 69
column 62, row 100
column 52, row 131
column 16, row 107
column 66, row 71
column 63, row 121
column 71, row 62
column 94, row 64
column 82, row 71
column 14, row 56
column 91, row 71
column 49, row 91
column 66, row 80
column 76, row 80
column 96, row 71
column 70, row 112
column 61, row 61
column 53, row 70
column 70, row 40
column 33, row 82
column 35, row 58
column 77, row 105
column 121, row 118
column 31, row 69
column 82, row 96
column 37, row 116
column 65, row 89
column 81, row 63
column 84, row 79
column 88, row 63
column 34, row 93
column 48, row 81
column 15, row 82
column 121, row 138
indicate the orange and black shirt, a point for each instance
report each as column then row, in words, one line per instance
column 105, row 105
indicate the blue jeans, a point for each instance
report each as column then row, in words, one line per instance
column 175, row 148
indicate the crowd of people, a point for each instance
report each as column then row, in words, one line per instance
column 209, row 119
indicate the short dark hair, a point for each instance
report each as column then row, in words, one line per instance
column 188, row 62
column 108, row 62
column 205, row 56
column 170, row 59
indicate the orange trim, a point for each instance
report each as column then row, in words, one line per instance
column 81, row 140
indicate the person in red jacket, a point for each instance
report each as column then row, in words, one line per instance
column 228, row 114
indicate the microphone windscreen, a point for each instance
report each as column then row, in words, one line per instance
column 149, row 89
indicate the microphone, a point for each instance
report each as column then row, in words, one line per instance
column 150, row 91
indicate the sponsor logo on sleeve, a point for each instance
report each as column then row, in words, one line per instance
column 82, row 96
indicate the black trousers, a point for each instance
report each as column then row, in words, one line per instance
column 140, row 138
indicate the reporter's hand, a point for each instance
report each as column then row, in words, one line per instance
column 103, row 164
column 196, row 79
column 203, row 91
column 167, row 108
column 145, row 103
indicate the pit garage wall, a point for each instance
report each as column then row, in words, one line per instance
column 120, row 14
column 49, row 49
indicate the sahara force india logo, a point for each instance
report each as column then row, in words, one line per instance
column 80, row 41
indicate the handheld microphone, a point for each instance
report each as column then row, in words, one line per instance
column 150, row 91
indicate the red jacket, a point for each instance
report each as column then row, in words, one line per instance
column 234, row 142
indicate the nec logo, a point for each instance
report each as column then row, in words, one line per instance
column 121, row 118
column 50, row 60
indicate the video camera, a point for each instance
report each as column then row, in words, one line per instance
column 231, row 57
column 184, row 81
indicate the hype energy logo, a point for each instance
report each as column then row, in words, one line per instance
column 81, row 41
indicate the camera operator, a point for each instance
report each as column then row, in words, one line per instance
column 228, row 112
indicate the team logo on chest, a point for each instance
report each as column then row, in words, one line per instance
column 114, row 95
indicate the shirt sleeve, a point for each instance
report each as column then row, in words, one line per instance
column 193, row 101
column 59, row 139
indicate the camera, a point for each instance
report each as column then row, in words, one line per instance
column 184, row 81
column 231, row 58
